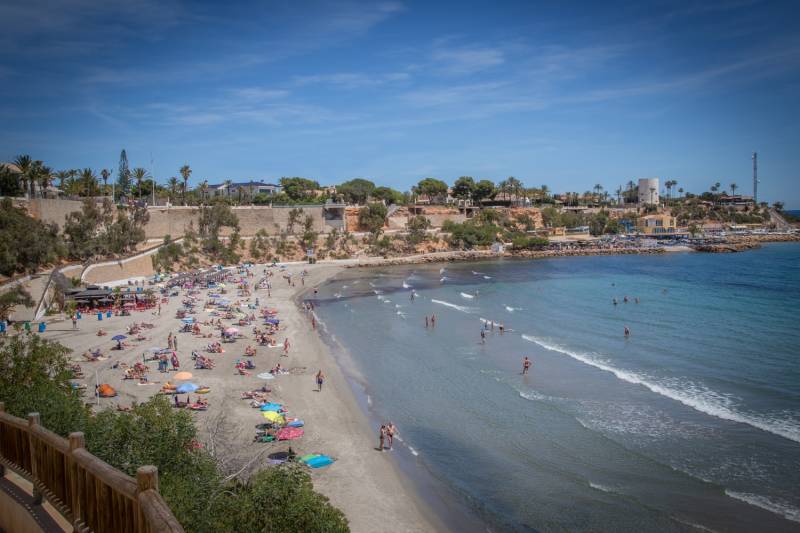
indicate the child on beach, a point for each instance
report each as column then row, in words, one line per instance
column 320, row 380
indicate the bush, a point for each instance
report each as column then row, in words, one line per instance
column 42, row 242
column 34, row 376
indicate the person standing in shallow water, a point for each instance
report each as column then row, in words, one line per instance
column 382, row 438
column 526, row 365
column 426, row 321
column 433, row 321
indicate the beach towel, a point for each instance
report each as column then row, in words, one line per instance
column 320, row 461
column 289, row 433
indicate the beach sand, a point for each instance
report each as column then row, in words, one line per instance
column 364, row 483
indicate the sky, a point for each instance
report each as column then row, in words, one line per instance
column 568, row 94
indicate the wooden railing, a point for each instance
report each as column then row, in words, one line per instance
column 90, row 493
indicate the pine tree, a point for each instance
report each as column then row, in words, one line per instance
column 124, row 175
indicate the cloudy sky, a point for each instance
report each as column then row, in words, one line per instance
column 564, row 93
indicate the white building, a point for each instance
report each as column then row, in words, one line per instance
column 648, row 191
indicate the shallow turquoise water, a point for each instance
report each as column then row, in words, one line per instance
column 694, row 420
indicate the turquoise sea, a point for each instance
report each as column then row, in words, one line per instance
column 692, row 422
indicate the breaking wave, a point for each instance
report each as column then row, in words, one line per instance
column 462, row 308
column 691, row 395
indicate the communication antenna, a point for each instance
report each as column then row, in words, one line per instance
column 755, row 178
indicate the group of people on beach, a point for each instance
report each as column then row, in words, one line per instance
column 386, row 437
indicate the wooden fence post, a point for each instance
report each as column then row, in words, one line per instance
column 34, row 420
column 75, row 478
column 146, row 479
column 2, row 467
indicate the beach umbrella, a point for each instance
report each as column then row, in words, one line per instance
column 118, row 338
column 231, row 331
column 272, row 416
column 186, row 388
column 266, row 375
column 183, row 375
column 188, row 320
column 272, row 321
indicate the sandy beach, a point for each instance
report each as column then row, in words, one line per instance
column 363, row 482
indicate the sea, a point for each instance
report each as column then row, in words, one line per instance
column 692, row 422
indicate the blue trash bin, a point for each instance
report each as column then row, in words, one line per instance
column 42, row 327
column 79, row 315
column 2, row 327
column 99, row 316
column 108, row 314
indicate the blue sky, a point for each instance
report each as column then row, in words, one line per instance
column 564, row 93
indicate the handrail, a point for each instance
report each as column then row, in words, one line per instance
column 89, row 492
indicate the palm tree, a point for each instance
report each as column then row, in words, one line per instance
column 619, row 194
column 62, row 176
column 680, row 192
column 597, row 188
column 105, row 174
column 24, row 163
column 185, row 173
column 45, row 176
column 733, row 189
column 545, row 192
column 715, row 187
column 89, row 181
column 140, row 174
column 228, row 184
column 173, row 187
column 203, row 190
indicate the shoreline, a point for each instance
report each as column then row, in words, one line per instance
column 367, row 486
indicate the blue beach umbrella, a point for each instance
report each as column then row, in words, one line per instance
column 118, row 338
column 186, row 388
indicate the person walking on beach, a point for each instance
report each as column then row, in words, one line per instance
column 313, row 322
column 320, row 380
column 390, row 431
column 526, row 365
column 169, row 340
column 175, row 343
column 176, row 364
column 382, row 438
column 74, row 321
column 286, row 347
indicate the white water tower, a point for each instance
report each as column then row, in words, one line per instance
column 648, row 191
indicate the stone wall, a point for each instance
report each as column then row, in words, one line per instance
column 173, row 221
column 50, row 209
column 136, row 266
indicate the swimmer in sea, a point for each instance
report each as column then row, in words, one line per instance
column 614, row 301
column 483, row 336
column 526, row 365
column 627, row 332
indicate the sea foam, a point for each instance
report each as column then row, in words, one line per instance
column 462, row 308
column 697, row 397
column 778, row 507
column 467, row 296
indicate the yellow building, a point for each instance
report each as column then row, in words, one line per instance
column 658, row 224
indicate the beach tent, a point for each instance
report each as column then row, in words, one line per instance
column 186, row 388
column 289, row 433
column 106, row 391
column 272, row 407
column 266, row 375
